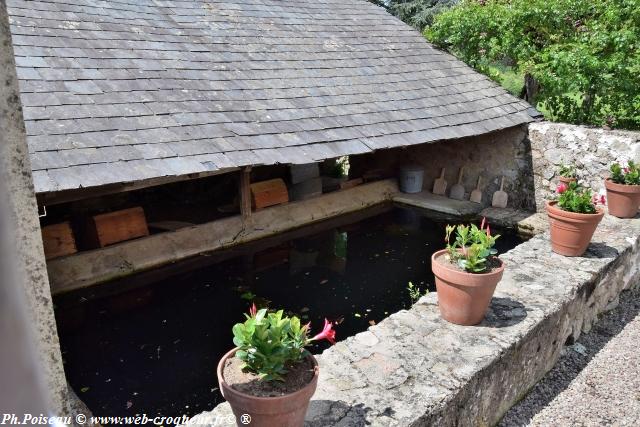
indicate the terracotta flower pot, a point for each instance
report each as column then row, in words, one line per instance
column 567, row 180
column 571, row 232
column 623, row 200
column 283, row 411
column 463, row 298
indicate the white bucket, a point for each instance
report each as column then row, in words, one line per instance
column 411, row 177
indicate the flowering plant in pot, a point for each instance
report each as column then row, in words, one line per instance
column 269, row 377
column 568, row 173
column 623, row 190
column 467, row 273
column 573, row 218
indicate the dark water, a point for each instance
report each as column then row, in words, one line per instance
column 154, row 349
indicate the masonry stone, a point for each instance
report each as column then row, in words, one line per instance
column 413, row 368
column 591, row 149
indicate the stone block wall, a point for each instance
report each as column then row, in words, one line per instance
column 503, row 153
column 591, row 149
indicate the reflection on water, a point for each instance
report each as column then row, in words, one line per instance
column 154, row 349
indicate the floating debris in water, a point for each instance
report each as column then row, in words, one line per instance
column 248, row 296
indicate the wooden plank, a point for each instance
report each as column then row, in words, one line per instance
column 351, row 183
column 169, row 225
column 65, row 196
column 119, row 226
column 269, row 193
column 58, row 240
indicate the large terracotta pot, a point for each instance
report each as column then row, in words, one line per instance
column 567, row 180
column 463, row 298
column 623, row 200
column 282, row 411
column 571, row 232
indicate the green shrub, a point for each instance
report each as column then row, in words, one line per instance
column 268, row 342
column 471, row 247
column 583, row 54
column 629, row 175
column 575, row 198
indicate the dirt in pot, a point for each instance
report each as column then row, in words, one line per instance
column 298, row 375
column 493, row 263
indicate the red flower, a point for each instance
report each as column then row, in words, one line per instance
column 253, row 310
column 599, row 199
column 327, row 333
column 562, row 187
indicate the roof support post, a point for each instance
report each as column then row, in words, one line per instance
column 245, row 193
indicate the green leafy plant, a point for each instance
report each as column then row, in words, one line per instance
column 417, row 13
column 577, row 60
column 472, row 246
column 268, row 342
column 629, row 175
column 578, row 199
column 340, row 168
column 415, row 293
column 568, row 171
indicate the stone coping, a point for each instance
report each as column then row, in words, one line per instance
column 413, row 368
column 440, row 204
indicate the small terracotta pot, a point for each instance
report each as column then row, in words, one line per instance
column 623, row 200
column 571, row 232
column 282, row 411
column 567, row 180
column 463, row 298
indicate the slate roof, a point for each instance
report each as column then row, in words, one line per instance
column 124, row 90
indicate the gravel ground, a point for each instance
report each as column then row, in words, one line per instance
column 596, row 382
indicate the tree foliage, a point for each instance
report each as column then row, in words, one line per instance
column 417, row 13
column 584, row 54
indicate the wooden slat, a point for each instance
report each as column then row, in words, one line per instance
column 269, row 193
column 58, row 240
column 113, row 227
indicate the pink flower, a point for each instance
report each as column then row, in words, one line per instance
column 599, row 199
column 488, row 231
column 483, row 222
column 253, row 310
column 626, row 170
column 562, row 187
column 327, row 333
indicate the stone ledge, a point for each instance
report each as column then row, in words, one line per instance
column 413, row 368
column 439, row 204
column 527, row 224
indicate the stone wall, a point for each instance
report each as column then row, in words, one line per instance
column 415, row 369
column 591, row 149
column 491, row 156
